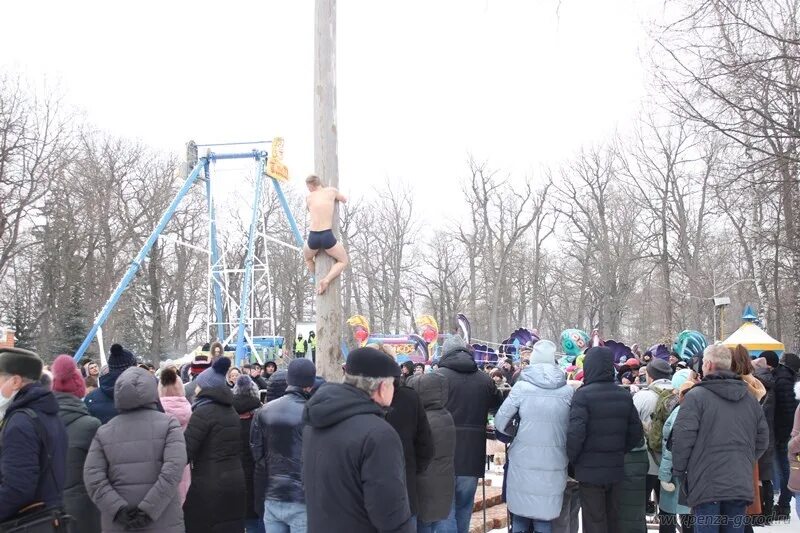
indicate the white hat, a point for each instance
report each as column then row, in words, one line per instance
column 544, row 351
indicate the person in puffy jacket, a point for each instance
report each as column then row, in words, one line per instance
column 603, row 426
column 471, row 395
column 762, row 370
column 216, row 499
column 435, row 485
column 246, row 402
column 136, row 461
column 537, row 457
column 794, row 454
column 276, row 441
column 175, row 404
column 101, row 400
column 69, row 387
column 276, row 385
column 785, row 376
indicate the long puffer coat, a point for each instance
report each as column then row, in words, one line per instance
column 537, row 457
column 81, row 429
column 137, row 458
column 471, row 395
column 764, row 375
column 216, row 499
column 180, row 409
column 245, row 405
column 668, row 501
column 435, row 487
column 632, row 511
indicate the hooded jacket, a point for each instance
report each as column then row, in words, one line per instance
column 764, row 375
column 537, row 457
column 435, row 483
column 603, row 422
column 81, row 429
column 353, row 461
column 719, row 424
column 216, row 499
column 276, row 385
column 785, row 402
column 180, row 409
column 137, row 458
column 407, row 416
column 101, row 400
column 470, row 396
column 22, row 453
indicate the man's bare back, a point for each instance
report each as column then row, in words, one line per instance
column 321, row 204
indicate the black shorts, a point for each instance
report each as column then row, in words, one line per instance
column 321, row 240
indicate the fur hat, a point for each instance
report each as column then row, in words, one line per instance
column 169, row 384
column 200, row 362
column 67, row 378
column 214, row 376
column 19, row 362
column 120, row 358
column 245, row 385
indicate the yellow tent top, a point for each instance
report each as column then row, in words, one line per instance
column 755, row 339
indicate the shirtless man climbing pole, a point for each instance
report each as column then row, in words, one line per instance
column 321, row 204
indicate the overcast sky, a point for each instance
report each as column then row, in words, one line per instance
column 421, row 83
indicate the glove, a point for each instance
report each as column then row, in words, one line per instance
column 137, row 519
column 667, row 486
column 122, row 515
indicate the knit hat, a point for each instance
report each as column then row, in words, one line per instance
column 791, row 360
column 544, row 351
column 771, row 358
column 659, row 369
column 681, row 377
column 371, row 363
column 120, row 358
column 453, row 343
column 245, row 385
column 214, row 376
column 200, row 362
column 19, row 362
column 301, row 373
column 67, row 378
column 169, row 384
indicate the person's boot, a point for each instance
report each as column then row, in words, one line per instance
column 782, row 514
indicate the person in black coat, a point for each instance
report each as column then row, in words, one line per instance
column 603, row 426
column 276, row 385
column 471, row 395
column 785, row 376
column 101, row 400
column 215, row 502
column 69, row 387
column 407, row 417
column 24, row 479
column 763, row 372
column 352, row 458
column 246, row 402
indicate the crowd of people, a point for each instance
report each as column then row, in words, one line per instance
column 209, row 447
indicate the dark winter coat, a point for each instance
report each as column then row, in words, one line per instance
column 603, row 423
column 719, row 425
column 785, row 402
column 632, row 511
column 276, row 441
column 764, row 375
column 101, row 400
column 435, row 487
column 81, row 429
column 276, row 385
column 470, row 396
column 137, row 458
column 353, row 461
column 22, row 454
column 407, row 417
column 216, row 499
column 260, row 382
column 246, row 406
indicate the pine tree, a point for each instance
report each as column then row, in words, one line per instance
column 73, row 329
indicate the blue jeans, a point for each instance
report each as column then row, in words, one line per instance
column 448, row 525
column 254, row 525
column 720, row 517
column 464, row 501
column 781, row 473
column 520, row 524
column 284, row 517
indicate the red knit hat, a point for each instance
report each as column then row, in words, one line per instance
column 66, row 376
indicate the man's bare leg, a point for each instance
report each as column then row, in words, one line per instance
column 339, row 254
column 308, row 255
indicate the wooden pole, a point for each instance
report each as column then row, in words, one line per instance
column 326, row 164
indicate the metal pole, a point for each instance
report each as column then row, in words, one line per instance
column 248, row 266
column 137, row 262
column 214, row 269
column 298, row 237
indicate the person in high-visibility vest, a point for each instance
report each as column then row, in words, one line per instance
column 300, row 346
column 312, row 342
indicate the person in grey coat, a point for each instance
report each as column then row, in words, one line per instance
column 435, row 487
column 719, row 425
column 136, row 461
column 537, row 457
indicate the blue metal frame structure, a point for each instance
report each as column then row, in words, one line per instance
column 203, row 163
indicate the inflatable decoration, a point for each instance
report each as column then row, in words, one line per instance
column 659, row 351
column 428, row 328
column 574, row 341
column 360, row 327
column 483, row 354
column 689, row 344
column 466, row 330
column 595, row 339
column 621, row 352
column 519, row 338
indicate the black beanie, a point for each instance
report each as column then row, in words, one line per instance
column 371, row 363
column 120, row 358
column 301, row 373
column 19, row 362
column 771, row 358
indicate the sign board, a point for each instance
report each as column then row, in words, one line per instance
column 275, row 167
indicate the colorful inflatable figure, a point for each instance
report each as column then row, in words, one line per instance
column 621, row 352
column 360, row 327
column 484, row 355
column 659, row 351
column 573, row 342
column 464, row 326
column 690, row 344
column 519, row 338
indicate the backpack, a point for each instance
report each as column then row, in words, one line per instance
column 666, row 402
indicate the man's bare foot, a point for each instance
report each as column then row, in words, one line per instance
column 323, row 285
column 311, row 265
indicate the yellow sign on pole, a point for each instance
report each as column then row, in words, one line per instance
column 275, row 166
